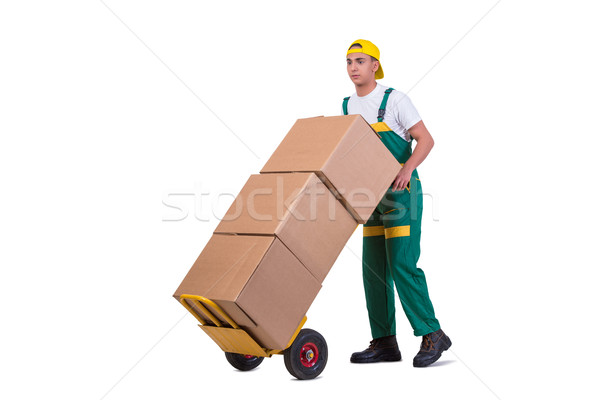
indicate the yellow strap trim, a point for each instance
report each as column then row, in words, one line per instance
column 395, row 209
column 373, row 230
column 397, row 231
column 381, row 127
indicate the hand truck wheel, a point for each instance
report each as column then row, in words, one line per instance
column 307, row 356
column 243, row 362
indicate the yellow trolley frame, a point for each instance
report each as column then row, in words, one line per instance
column 230, row 338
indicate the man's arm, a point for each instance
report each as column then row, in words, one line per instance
column 424, row 144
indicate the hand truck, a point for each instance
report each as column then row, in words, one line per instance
column 305, row 356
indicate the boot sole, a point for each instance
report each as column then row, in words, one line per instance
column 382, row 358
column 447, row 344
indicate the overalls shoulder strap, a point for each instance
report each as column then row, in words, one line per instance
column 345, row 105
column 381, row 112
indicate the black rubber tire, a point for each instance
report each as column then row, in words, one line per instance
column 296, row 357
column 242, row 362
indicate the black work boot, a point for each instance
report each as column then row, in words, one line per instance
column 432, row 346
column 382, row 349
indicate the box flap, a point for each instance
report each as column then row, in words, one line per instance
column 226, row 258
column 264, row 203
column 309, row 144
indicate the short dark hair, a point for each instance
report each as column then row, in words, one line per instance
column 359, row 46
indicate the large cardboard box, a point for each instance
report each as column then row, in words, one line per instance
column 346, row 153
column 257, row 281
column 297, row 208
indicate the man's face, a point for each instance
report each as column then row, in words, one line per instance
column 361, row 69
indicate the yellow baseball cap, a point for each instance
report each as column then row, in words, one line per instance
column 369, row 49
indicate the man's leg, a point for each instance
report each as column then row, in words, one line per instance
column 379, row 293
column 377, row 280
column 402, row 237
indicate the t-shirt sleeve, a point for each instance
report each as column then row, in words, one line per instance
column 405, row 112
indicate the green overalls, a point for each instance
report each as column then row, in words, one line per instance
column 391, row 248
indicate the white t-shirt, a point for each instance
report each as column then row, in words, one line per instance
column 400, row 113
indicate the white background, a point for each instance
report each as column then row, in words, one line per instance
column 106, row 109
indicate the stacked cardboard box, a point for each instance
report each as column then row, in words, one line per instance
column 346, row 154
column 298, row 209
column 267, row 259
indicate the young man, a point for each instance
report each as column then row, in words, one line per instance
column 391, row 237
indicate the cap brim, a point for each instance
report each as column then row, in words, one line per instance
column 379, row 72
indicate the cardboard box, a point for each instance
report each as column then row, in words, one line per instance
column 346, row 154
column 297, row 208
column 257, row 281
